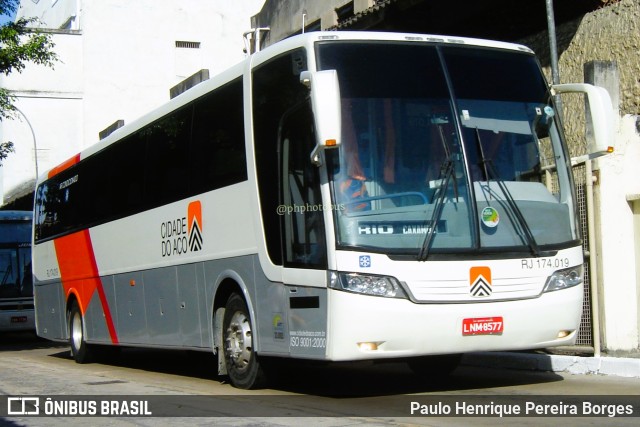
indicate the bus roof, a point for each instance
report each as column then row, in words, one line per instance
column 303, row 40
column 310, row 38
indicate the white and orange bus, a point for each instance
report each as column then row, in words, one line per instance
column 335, row 197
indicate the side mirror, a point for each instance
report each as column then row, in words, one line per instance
column 601, row 111
column 325, row 102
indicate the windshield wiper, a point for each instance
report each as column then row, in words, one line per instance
column 447, row 169
column 490, row 172
column 447, row 172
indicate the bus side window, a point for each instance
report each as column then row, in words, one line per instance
column 166, row 177
column 276, row 90
column 217, row 154
column 303, row 229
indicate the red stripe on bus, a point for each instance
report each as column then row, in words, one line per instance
column 64, row 165
column 79, row 273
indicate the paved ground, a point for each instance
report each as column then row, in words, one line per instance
column 625, row 366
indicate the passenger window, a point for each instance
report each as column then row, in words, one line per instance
column 166, row 168
column 218, row 155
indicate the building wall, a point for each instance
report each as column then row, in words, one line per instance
column 118, row 63
column 54, row 14
column 609, row 34
column 52, row 106
column 285, row 18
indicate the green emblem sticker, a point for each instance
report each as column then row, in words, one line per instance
column 490, row 217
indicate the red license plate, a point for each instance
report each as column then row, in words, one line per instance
column 18, row 319
column 483, row 326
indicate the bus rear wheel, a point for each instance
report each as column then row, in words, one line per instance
column 243, row 367
column 80, row 350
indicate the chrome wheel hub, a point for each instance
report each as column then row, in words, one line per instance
column 239, row 341
column 76, row 331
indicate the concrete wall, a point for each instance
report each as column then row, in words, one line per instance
column 609, row 34
column 613, row 34
column 285, row 18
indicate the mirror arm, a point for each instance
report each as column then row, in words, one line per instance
column 315, row 155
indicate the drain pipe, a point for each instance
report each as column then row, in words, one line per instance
column 553, row 51
column 252, row 39
column 593, row 262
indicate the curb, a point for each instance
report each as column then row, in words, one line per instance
column 617, row 366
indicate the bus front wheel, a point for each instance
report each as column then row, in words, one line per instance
column 243, row 367
column 80, row 350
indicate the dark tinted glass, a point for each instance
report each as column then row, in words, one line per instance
column 195, row 149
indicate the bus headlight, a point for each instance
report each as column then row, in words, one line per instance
column 368, row 284
column 563, row 279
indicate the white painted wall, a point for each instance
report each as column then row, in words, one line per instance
column 119, row 64
column 53, row 14
column 51, row 101
column 619, row 178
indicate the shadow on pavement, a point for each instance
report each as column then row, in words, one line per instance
column 354, row 379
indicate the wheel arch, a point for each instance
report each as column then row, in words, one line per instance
column 72, row 298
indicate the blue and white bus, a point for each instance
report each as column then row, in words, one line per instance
column 16, row 284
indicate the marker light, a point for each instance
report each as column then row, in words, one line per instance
column 368, row 284
column 564, row 334
column 368, row 346
column 563, row 279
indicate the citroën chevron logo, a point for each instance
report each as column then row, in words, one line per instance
column 194, row 224
column 480, row 282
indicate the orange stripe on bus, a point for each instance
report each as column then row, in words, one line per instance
column 194, row 210
column 64, row 165
column 79, row 273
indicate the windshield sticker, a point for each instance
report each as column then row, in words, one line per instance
column 399, row 227
column 68, row 182
column 490, row 217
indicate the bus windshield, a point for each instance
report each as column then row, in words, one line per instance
column 446, row 149
column 15, row 258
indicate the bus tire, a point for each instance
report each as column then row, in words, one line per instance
column 243, row 367
column 80, row 350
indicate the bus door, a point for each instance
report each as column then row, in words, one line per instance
column 303, row 234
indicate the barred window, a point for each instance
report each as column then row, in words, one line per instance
column 182, row 44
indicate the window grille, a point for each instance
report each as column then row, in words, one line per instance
column 187, row 45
